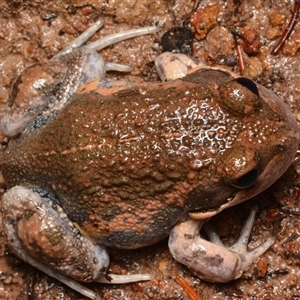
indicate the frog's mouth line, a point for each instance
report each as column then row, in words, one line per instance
column 208, row 214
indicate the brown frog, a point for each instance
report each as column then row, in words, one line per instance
column 125, row 166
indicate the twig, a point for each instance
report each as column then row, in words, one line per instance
column 188, row 289
column 289, row 28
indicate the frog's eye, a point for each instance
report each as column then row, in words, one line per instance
column 240, row 166
column 249, row 84
column 246, row 180
column 239, row 96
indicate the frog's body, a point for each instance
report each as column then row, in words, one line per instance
column 127, row 167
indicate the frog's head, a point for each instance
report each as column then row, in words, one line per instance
column 261, row 153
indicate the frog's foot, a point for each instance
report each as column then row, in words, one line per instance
column 214, row 262
column 240, row 247
column 47, row 240
column 171, row 66
column 104, row 42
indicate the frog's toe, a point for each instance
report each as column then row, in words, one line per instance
column 82, row 39
column 120, row 279
column 211, row 260
column 118, row 37
column 240, row 247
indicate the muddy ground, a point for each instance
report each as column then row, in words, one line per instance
column 32, row 31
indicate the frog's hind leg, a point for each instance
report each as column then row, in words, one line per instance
column 45, row 238
column 211, row 260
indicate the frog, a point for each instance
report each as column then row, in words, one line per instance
column 94, row 164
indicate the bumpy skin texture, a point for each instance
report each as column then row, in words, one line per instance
column 127, row 167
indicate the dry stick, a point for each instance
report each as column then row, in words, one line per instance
column 240, row 59
column 188, row 289
column 289, row 29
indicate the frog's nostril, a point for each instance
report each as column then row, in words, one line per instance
column 246, row 180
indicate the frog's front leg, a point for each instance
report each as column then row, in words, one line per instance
column 46, row 239
column 211, row 260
